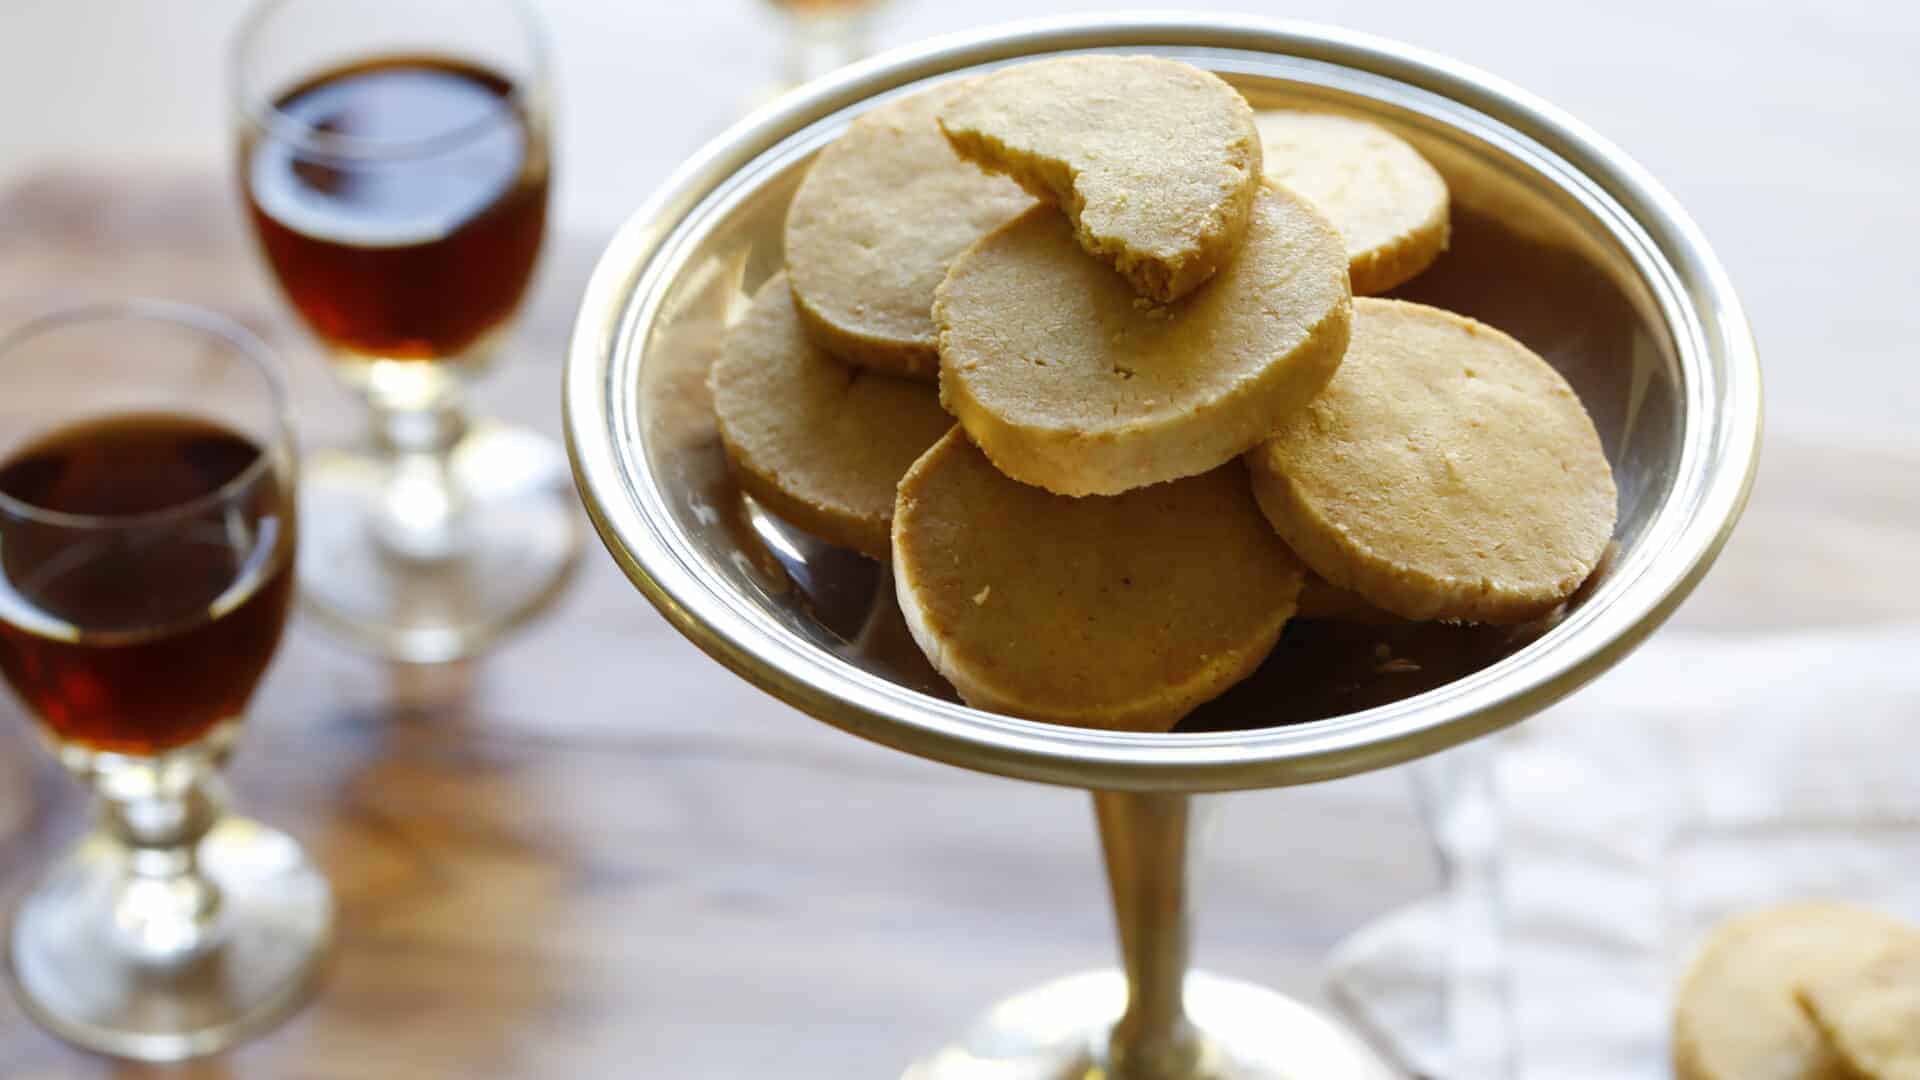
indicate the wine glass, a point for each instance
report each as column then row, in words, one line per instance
column 393, row 156
column 146, row 566
column 1558, row 238
column 823, row 35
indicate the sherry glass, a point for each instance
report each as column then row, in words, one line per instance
column 1558, row 238
column 823, row 35
column 393, row 156
column 146, row 566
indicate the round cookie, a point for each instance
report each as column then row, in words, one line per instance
column 1446, row 472
column 1155, row 161
column 1122, row 612
column 816, row 442
column 879, row 216
column 1069, row 381
column 1871, row 1017
column 1389, row 204
column 1735, row 1017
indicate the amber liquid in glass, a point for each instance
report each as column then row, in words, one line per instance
column 409, row 229
column 826, row 7
column 138, row 638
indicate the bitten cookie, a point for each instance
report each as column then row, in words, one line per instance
column 1447, row 472
column 1871, row 1017
column 1155, row 161
column 1389, row 204
column 1736, row 1017
column 869, row 234
column 1122, row 612
column 1069, row 381
column 815, row 441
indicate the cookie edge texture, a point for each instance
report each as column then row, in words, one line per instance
column 1158, row 715
column 1055, row 181
column 1069, row 461
column 1401, row 590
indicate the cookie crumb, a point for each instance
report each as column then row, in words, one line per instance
column 980, row 597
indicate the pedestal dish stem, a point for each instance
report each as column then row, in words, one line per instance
column 1145, row 838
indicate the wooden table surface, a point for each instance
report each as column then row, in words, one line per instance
column 594, row 853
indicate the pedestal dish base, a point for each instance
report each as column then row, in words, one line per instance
column 1059, row 1032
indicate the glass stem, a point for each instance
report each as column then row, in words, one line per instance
column 423, row 511
column 820, row 43
column 1145, row 838
column 158, row 810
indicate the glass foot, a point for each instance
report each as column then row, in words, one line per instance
column 1059, row 1032
column 514, row 542
column 74, row 979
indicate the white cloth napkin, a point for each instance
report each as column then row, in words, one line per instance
column 1592, row 847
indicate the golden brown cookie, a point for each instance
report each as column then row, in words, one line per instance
column 1070, row 381
column 1871, row 1017
column 1736, row 1017
column 1122, row 612
column 813, row 440
column 1156, row 161
column 1389, row 204
column 879, row 216
column 1447, row 472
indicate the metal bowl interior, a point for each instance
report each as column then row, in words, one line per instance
column 1558, row 239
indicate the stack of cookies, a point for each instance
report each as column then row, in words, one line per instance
column 1075, row 345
